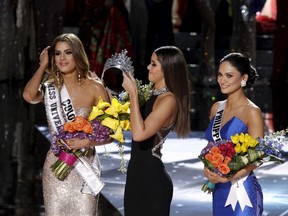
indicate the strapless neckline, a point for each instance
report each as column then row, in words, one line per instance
column 83, row 111
column 230, row 128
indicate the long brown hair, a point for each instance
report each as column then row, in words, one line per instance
column 176, row 75
column 78, row 52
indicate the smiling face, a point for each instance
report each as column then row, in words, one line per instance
column 229, row 78
column 64, row 58
column 156, row 74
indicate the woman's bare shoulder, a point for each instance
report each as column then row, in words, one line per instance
column 252, row 111
column 215, row 107
column 95, row 84
column 168, row 98
column 252, row 107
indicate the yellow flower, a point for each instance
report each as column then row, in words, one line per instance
column 242, row 138
column 243, row 142
column 118, row 135
column 98, row 110
column 95, row 113
column 244, row 148
column 102, row 104
column 125, row 108
column 110, row 123
column 253, row 143
column 114, row 109
column 125, row 124
column 238, row 148
column 235, row 138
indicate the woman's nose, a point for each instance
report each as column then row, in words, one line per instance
column 62, row 56
column 221, row 79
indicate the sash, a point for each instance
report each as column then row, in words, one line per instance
column 67, row 107
column 237, row 191
column 59, row 109
column 217, row 122
column 53, row 108
column 239, row 194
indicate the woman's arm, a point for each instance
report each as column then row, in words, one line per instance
column 255, row 122
column 164, row 110
column 102, row 92
column 77, row 143
column 31, row 92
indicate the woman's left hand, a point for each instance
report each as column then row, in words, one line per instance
column 76, row 143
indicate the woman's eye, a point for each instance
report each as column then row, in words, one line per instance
column 69, row 52
column 57, row 53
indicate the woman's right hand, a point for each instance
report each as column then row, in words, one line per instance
column 129, row 83
column 44, row 57
column 214, row 177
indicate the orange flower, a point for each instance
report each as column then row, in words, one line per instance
column 227, row 160
column 209, row 157
column 215, row 163
column 214, row 158
column 215, row 150
column 87, row 128
column 223, row 168
column 218, row 157
column 68, row 126
column 79, row 123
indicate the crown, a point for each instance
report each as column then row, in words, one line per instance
column 120, row 61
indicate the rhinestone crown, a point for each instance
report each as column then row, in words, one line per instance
column 120, row 61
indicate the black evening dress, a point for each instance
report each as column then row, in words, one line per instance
column 149, row 188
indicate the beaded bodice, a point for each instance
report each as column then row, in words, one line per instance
column 159, row 141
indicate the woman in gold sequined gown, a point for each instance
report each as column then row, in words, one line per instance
column 65, row 63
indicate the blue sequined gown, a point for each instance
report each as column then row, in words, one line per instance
column 251, row 184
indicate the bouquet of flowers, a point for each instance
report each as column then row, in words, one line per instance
column 116, row 117
column 80, row 128
column 144, row 93
column 226, row 157
column 105, row 121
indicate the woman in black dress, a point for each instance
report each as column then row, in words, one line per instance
column 149, row 188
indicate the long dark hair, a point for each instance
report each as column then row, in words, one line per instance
column 176, row 77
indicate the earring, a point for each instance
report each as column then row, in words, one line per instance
column 79, row 78
column 58, row 77
column 243, row 83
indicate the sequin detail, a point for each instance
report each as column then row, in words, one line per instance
column 63, row 198
column 161, row 135
column 160, row 91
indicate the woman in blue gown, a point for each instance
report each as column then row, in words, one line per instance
column 241, row 194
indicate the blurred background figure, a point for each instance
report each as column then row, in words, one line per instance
column 104, row 30
column 280, row 67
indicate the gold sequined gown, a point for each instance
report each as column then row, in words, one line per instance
column 63, row 198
